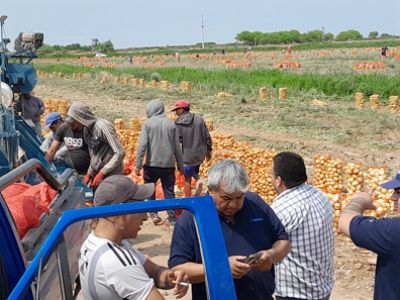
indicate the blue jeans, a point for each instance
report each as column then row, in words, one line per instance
column 167, row 177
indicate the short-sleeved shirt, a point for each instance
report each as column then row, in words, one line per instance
column 307, row 271
column 112, row 271
column 381, row 236
column 256, row 228
column 76, row 145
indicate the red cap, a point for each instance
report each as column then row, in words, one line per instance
column 181, row 104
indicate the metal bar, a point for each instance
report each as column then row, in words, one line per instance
column 35, row 165
column 63, row 270
column 218, row 275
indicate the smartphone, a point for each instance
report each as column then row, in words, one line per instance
column 252, row 258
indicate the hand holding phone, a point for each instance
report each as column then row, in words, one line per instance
column 252, row 258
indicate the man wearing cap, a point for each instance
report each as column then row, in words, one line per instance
column 160, row 143
column 381, row 236
column 307, row 215
column 195, row 140
column 109, row 267
column 52, row 121
column 64, row 137
column 105, row 149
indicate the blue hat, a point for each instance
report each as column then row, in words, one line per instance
column 51, row 118
column 392, row 184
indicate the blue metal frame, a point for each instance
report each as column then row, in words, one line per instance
column 218, row 274
column 11, row 247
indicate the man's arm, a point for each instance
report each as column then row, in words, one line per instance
column 178, row 151
column 360, row 202
column 112, row 140
column 271, row 256
column 51, row 152
column 167, row 279
column 195, row 271
column 141, row 150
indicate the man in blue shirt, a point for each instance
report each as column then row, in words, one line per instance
column 381, row 236
column 249, row 226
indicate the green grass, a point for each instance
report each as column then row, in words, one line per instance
column 246, row 82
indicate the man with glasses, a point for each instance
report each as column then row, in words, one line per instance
column 307, row 271
column 249, row 226
column 381, row 236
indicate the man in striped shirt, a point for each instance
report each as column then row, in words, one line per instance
column 109, row 267
column 305, row 212
column 105, row 150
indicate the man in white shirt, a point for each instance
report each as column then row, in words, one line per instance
column 305, row 212
column 109, row 267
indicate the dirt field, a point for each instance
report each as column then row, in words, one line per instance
column 354, row 268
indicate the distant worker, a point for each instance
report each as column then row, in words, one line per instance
column 195, row 140
column 130, row 59
column 289, row 49
column 223, row 51
column 53, row 121
column 109, row 267
column 384, row 51
column 105, row 149
column 249, row 226
column 307, row 215
column 31, row 109
column 381, row 236
column 159, row 142
column 178, row 56
column 64, row 137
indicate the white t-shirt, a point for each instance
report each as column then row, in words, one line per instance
column 111, row 271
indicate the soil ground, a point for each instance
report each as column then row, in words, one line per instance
column 354, row 267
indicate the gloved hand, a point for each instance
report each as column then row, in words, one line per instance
column 87, row 179
column 98, row 179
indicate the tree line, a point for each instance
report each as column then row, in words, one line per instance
column 104, row 47
column 253, row 38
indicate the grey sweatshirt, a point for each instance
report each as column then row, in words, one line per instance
column 195, row 138
column 158, row 139
column 105, row 149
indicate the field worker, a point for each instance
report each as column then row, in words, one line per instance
column 381, row 236
column 160, row 143
column 53, row 121
column 105, row 149
column 109, row 267
column 307, row 271
column 31, row 108
column 64, row 137
column 249, row 226
column 195, row 140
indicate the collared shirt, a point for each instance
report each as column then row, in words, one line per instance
column 256, row 228
column 381, row 236
column 307, row 271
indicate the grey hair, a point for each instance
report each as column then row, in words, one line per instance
column 230, row 174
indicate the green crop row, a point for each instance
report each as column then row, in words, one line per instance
column 247, row 81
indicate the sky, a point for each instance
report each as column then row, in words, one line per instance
column 129, row 23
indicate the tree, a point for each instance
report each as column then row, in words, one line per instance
column 373, row 35
column 311, row 36
column 246, row 37
column 349, row 35
column 105, row 47
column 328, row 37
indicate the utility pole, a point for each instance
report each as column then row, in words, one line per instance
column 323, row 34
column 202, row 32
